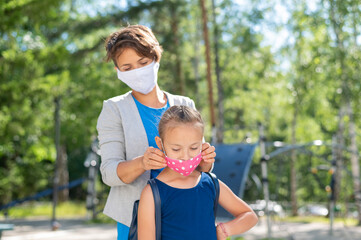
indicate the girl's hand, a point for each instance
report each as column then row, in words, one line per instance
column 153, row 158
column 208, row 155
column 220, row 233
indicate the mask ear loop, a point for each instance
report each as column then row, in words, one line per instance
column 161, row 142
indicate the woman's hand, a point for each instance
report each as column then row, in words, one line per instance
column 153, row 158
column 208, row 155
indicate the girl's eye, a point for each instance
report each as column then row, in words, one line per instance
column 194, row 148
column 175, row 150
column 144, row 63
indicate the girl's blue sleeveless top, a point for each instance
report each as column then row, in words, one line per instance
column 187, row 214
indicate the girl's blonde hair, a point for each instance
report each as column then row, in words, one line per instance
column 179, row 115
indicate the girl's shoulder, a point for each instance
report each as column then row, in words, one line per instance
column 209, row 179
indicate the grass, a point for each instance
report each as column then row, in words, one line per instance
column 241, row 238
column 45, row 209
column 102, row 219
column 70, row 209
column 311, row 219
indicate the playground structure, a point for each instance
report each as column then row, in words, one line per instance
column 282, row 148
column 232, row 165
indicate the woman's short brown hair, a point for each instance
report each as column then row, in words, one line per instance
column 138, row 37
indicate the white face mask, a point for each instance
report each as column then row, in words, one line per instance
column 142, row 79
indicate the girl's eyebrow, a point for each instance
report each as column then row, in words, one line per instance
column 175, row 144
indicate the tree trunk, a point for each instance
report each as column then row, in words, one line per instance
column 355, row 163
column 63, row 174
column 57, row 101
column 208, row 61
column 293, row 171
column 195, row 61
column 340, row 142
column 220, row 129
column 177, row 50
column 340, row 58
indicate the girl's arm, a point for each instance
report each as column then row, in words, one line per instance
column 146, row 215
column 244, row 219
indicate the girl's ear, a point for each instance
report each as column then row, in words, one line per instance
column 158, row 141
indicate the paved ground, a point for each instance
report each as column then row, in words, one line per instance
column 78, row 229
column 70, row 229
column 304, row 231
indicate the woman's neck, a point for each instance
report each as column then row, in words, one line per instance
column 155, row 99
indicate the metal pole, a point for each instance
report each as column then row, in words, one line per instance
column 264, row 159
column 332, row 206
column 332, row 198
column 92, row 162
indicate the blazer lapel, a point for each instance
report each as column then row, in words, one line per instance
column 134, row 131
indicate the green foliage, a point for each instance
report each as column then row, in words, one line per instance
column 55, row 48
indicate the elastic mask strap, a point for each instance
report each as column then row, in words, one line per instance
column 161, row 142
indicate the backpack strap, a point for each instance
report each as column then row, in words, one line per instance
column 157, row 208
column 216, row 186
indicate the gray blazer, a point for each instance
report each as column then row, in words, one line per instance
column 122, row 137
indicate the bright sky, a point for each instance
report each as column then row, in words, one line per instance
column 273, row 38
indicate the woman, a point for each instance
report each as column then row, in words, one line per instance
column 127, row 124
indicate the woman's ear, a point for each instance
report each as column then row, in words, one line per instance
column 158, row 141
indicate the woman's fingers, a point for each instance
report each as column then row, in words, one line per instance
column 154, row 159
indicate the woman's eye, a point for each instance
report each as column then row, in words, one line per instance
column 144, row 63
column 175, row 150
column 195, row 148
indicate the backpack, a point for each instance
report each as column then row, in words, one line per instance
column 133, row 230
column 216, row 186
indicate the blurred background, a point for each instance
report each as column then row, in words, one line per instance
column 292, row 67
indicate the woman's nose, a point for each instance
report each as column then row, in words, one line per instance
column 138, row 65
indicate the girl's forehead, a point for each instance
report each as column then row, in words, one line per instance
column 184, row 132
column 186, row 127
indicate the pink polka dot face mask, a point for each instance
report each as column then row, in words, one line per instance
column 184, row 167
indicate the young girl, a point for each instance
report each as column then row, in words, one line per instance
column 187, row 195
